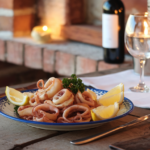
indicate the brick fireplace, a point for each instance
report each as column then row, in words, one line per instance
column 64, row 17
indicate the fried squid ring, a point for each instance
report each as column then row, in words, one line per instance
column 45, row 113
column 85, row 97
column 38, row 84
column 35, row 100
column 25, row 112
column 63, row 98
column 75, row 113
column 49, row 89
column 42, row 95
column 62, row 105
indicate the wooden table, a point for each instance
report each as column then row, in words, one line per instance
column 15, row 135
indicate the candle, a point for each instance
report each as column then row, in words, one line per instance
column 41, row 34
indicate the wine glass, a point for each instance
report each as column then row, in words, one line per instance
column 137, row 41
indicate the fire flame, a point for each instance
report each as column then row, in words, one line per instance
column 45, row 28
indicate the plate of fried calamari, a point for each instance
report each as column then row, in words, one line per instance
column 62, row 105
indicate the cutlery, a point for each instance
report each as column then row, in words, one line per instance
column 102, row 134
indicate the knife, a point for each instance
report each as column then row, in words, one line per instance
column 102, row 134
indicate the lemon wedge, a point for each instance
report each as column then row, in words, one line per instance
column 106, row 112
column 16, row 97
column 93, row 94
column 116, row 90
column 94, row 117
column 112, row 99
column 122, row 110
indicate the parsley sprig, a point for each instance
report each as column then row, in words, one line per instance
column 74, row 84
column 15, row 109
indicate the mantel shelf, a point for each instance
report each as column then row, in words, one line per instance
column 64, row 58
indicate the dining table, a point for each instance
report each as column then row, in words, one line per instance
column 16, row 135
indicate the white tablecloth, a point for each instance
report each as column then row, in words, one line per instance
column 129, row 78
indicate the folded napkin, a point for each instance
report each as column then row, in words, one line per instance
column 129, row 78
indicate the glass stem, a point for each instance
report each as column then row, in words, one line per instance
column 142, row 63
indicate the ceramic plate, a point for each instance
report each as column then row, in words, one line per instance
column 7, row 110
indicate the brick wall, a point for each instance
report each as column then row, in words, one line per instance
column 17, row 17
column 47, row 9
column 135, row 6
column 56, row 13
column 60, row 58
column 94, row 9
column 52, row 13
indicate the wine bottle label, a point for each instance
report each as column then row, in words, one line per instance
column 110, row 35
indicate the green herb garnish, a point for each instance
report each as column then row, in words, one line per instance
column 16, row 108
column 74, row 84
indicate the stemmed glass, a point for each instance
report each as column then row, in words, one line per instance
column 137, row 41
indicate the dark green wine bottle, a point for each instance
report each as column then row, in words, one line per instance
column 113, row 24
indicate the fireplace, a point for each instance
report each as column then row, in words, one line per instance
column 69, row 20
column 64, row 17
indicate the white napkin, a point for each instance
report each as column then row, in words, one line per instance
column 129, row 78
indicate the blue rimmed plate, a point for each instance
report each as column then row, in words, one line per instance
column 7, row 110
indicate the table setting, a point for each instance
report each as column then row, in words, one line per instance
column 94, row 83
column 100, row 85
column 106, row 83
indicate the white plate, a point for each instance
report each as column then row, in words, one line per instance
column 7, row 110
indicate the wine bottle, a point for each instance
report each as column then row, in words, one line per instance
column 113, row 31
